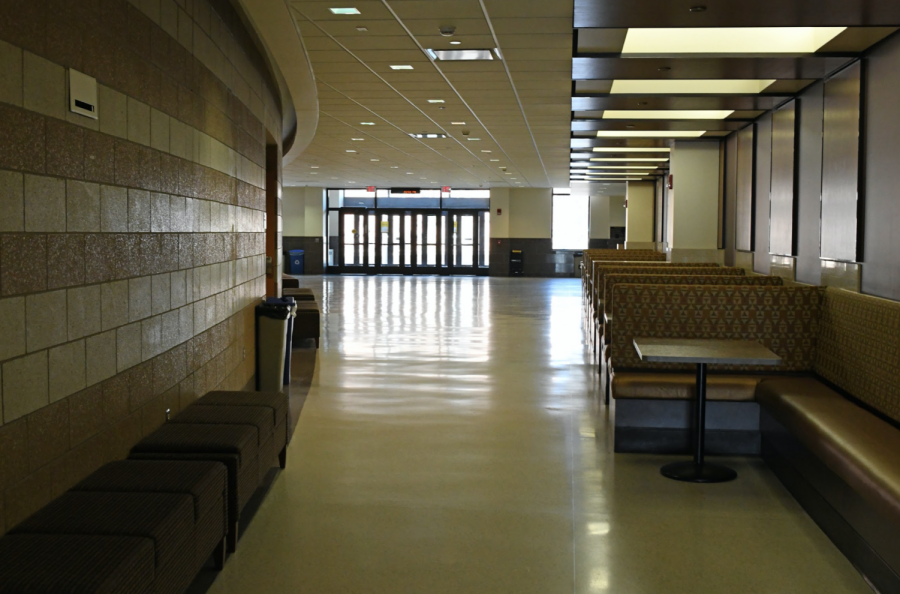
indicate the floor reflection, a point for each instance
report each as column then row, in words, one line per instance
column 453, row 441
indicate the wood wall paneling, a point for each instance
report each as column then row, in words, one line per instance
column 745, row 208
column 881, row 272
column 809, row 185
column 727, row 212
column 761, row 259
column 841, row 199
column 783, row 183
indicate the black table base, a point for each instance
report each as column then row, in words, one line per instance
column 698, row 471
column 692, row 472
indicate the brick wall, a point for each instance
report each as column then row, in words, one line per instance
column 132, row 247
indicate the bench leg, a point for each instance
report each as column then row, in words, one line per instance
column 608, row 388
column 282, row 457
column 232, row 538
column 219, row 556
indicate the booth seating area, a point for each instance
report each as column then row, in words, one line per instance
column 826, row 419
column 152, row 522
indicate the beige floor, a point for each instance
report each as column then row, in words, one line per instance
column 452, row 442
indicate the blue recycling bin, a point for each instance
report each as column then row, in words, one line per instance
column 296, row 260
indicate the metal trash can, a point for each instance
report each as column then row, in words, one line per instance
column 273, row 320
column 297, row 261
column 517, row 263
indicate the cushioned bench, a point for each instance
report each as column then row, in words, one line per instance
column 76, row 564
column 299, row 294
column 236, row 446
column 653, row 400
column 166, row 519
column 307, row 323
column 276, row 402
column 833, row 437
column 205, row 482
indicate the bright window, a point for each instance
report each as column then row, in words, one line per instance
column 571, row 218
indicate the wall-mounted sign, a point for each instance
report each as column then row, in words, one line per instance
column 445, row 189
column 370, row 188
column 406, row 190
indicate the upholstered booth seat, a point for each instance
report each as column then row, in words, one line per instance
column 682, row 386
column 258, row 417
column 166, row 519
column 76, row 564
column 276, row 402
column 236, row 446
column 205, row 482
column 307, row 322
column 855, row 444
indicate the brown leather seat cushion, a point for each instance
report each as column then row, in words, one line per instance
column 855, row 444
column 682, row 386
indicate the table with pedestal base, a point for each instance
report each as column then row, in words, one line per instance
column 702, row 352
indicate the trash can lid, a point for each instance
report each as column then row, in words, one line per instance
column 281, row 311
column 295, row 252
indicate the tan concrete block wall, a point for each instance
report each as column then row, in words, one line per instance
column 132, row 248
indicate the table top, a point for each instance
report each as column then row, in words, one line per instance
column 703, row 350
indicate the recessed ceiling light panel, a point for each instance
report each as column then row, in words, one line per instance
column 436, row 101
column 629, row 149
column 650, row 133
column 729, row 40
column 401, row 67
column 428, row 135
column 624, row 160
column 667, row 114
column 344, row 11
column 457, row 55
column 690, row 87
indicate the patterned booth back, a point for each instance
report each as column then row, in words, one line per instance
column 859, row 348
column 699, row 278
column 596, row 264
column 600, row 270
column 784, row 319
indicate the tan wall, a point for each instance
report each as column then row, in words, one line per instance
column 639, row 218
column 617, row 211
column 695, row 199
column 600, row 217
column 500, row 223
column 131, row 248
column 303, row 210
column 531, row 211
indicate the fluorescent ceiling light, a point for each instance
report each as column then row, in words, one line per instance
column 485, row 151
column 401, row 67
column 374, row 160
column 474, row 139
column 623, row 166
column 495, row 160
column 313, row 166
column 729, row 40
column 357, row 139
column 395, row 167
column 436, row 101
column 457, row 123
column 367, row 123
column 690, row 87
column 667, row 114
column 457, row 55
column 428, row 135
column 650, row 133
column 455, row 42
column 351, row 151
column 575, row 179
column 624, row 160
column 344, row 11
column 629, row 149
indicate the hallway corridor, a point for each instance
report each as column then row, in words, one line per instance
column 453, row 441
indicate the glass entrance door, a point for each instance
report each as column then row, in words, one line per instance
column 395, row 241
column 469, row 240
column 357, row 241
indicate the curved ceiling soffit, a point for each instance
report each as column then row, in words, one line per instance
column 279, row 32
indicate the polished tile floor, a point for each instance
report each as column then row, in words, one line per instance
column 452, row 441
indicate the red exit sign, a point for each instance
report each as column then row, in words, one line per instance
column 445, row 189
column 370, row 188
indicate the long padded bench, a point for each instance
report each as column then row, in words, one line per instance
column 827, row 420
column 150, row 523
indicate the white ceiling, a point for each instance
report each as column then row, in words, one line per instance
column 519, row 107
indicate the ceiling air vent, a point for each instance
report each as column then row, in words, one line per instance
column 466, row 54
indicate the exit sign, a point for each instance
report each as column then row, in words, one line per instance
column 445, row 189
column 370, row 188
